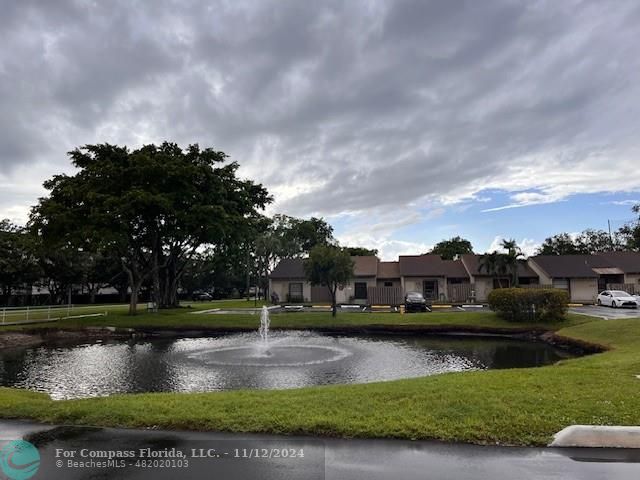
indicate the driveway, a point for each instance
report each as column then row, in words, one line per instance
column 607, row 313
column 219, row 455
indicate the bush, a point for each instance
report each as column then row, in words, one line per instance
column 544, row 305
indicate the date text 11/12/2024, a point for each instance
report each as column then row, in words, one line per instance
column 177, row 453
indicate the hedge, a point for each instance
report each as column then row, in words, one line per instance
column 544, row 305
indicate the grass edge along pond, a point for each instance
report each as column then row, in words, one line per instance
column 508, row 407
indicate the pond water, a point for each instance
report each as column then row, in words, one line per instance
column 288, row 359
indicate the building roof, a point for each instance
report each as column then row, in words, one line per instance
column 365, row 266
column 294, row 267
column 430, row 266
column 628, row 262
column 289, row 268
column 388, row 270
column 570, row 266
column 472, row 263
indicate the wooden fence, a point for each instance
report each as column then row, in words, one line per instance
column 459, row 292
column 632, row 288
column 385, row 296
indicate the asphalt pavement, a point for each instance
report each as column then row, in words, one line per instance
column 78, row 453
column 608, row 313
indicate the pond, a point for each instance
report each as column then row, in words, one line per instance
column 288, row 359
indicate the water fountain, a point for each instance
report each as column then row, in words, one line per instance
column 264, row 324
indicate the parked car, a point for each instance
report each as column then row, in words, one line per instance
column 203, row 296
column 617, row 298
column 415, row 302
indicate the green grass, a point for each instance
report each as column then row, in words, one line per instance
column 514, row 407
column 186, row 318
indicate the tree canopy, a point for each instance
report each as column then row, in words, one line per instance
column 448, row 249
column 630, row 232
column 153, row 208
column 588, row 242
column 361, row 251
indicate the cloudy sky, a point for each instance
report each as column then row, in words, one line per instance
column 401, row 122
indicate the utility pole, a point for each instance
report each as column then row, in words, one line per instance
column 610, row 236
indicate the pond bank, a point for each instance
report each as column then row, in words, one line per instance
column 32, row 337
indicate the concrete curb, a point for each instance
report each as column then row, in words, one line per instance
column 597, row 436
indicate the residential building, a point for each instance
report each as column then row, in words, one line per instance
column 462, row 279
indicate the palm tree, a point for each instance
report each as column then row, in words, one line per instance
column 512, row 258
column 495, row 264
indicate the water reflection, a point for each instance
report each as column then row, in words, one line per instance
column 219, row 363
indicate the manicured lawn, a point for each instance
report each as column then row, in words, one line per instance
column 518, row 407
column 185, row 318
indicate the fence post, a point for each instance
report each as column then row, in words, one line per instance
column 49, row 313
column 27, row 318
column 4, row 312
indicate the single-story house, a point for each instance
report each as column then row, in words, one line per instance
column 577, row 274
column 432, row 276
column 482, row 282
column 289, row 282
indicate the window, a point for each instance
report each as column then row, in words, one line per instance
column 501, row 282
column 388, row 284
column 360, row 290
column 562, row 283
column 295, row 292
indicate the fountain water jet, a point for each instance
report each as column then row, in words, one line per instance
column 265, row 321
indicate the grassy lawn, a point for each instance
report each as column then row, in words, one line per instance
column 186, row 318
column 516, row 407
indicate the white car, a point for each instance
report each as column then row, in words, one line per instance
column 617, row 298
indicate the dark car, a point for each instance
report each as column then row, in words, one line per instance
column 415, row 302
column 202, row 296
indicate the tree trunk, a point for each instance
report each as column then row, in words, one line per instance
column 92, row 294
column 133, row 301
column 334, row 307
column 135, row 282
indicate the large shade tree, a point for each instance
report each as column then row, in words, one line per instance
column 152, row 208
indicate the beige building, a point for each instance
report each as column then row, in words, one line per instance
column 582, row 276
column 461, row 280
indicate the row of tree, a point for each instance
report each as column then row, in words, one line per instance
column 158, row 220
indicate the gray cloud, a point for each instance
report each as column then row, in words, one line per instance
column 336, row 106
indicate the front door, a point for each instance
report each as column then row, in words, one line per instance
column 430, row 289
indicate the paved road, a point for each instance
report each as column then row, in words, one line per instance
column 607, row 313
column 326, row 459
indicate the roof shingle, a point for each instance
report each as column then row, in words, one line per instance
column 472, row 263
column 430, row 266
column 628, row 262
column 570, row 266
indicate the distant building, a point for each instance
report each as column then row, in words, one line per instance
column 462, row 279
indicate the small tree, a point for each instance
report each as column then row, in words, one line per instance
column 331, row 267
column 512, row 259
column 494, row 264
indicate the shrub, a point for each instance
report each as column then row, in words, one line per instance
column 544, row 305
